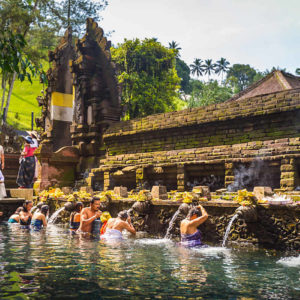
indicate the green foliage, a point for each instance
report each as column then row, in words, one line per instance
column 297, row 71
column 12, row 58
column 197, row 67
column 241, row 76
column 183, row 72
column 146, row 70
column 204, row 94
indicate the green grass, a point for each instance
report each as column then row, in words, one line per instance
column 23, row 102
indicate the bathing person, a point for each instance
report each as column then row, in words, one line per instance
column 27, row 165
column 2, row 186
column 25, row 214
column 190, row 235
column 89, row 215
column 39, row 219
column 15, row 217
column 75, row 216
column 104, row 219
column 38, row 207
column 115, row 226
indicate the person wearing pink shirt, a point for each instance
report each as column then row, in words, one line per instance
column 27, row 165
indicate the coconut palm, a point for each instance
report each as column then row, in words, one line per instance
column 174, row 45
column 197, row 67
column 208, row 67
column 222, row 66
column 298, row 71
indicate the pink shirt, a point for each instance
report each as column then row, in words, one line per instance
column 29, row 150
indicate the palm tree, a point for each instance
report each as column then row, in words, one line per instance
column 197, row 67
column 297, row 71
column 174, row 45
column 209, row 67
column 222, row 66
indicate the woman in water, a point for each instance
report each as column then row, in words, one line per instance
column 15, row 217
column 39, row 218
column 190, row 235
column 75, row 216
column 25, row 214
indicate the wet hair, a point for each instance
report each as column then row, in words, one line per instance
column 123, row 214
column 94, row 199
column 194, row 211
column 25, row 205
column 39, row 205
column 19, row 209
column 78, row 206
column 44, row 209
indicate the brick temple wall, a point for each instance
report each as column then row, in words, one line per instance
column 265, row 127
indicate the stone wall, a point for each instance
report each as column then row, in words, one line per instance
column 216, row 138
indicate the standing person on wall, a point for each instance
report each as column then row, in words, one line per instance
column 2, row 186
column 27, row 165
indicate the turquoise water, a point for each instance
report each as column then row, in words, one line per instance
column 56, row 265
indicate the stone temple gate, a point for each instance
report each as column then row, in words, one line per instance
column 255, row 134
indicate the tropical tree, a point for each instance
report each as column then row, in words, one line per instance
column 197, row 67
column 208, row 67
column 183, row 71
column 222, row 66
column 297, row 71
column 146, row 70
column 175, row 46
column 241, row 76
column 204, row 94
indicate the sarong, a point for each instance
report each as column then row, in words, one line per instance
column 191, row 240
column 26, row 172
column 112, row 234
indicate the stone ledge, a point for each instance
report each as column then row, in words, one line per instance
column 27, row 194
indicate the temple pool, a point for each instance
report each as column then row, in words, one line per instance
column 56, row 265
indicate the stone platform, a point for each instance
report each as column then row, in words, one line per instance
column 26, row 194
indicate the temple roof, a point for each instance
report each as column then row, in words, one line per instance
column 276, row 81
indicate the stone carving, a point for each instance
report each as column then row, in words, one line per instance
column 97, row 94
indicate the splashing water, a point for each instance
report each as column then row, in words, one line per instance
column 292, row 261
column 55, row 215
column 33, row 209
column 228, row 229
column 171, row 224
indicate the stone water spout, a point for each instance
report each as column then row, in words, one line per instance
column 248, row 213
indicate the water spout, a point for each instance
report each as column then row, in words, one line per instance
column 248, row 213
column 54, row 217
column 182, row 209
column 228, row 229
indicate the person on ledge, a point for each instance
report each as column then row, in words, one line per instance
column 15, row 217
column 39, row 219
column 25, row 214
column 75, row 216
column 2, row 186
column 27, row 165
column 90, row 217
column 190, row 234
column 115, row 226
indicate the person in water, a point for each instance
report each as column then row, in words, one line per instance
column 39, row 219
column 25, row 214
column 15, row 217
column 89, row 215
column 75, row 216
column 190, row 235
column 104, row 219
column 115, row 226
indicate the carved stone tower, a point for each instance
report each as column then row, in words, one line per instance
column 97, row 94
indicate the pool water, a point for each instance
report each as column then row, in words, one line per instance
column 54, row 264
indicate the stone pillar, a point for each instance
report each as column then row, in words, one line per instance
column 288, row 174
column 229, row 174
column 106, row 181
column 139, row 177
column 180, row 178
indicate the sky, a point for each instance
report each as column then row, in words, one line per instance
column 262, row 33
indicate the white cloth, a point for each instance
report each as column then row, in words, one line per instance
column 35, row 143
column 112, row 234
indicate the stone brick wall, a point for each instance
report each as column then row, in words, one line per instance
column 265, row 127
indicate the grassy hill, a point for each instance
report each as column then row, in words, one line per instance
column 23, row 102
